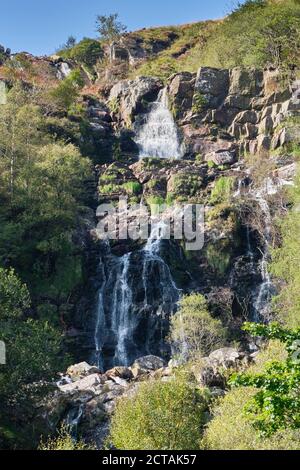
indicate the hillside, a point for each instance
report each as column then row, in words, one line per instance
column 138, row 341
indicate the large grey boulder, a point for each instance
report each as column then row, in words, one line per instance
column 148, row 363
column 221, row 158
column 212, row 84
column 248, row 82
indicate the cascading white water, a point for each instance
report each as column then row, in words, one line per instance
column 158, row 136
column 63, row 70
column 265, row 291
column 122, row 323
column 117, row 310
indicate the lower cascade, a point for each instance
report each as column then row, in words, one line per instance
column 135, row 299
column 157, row 137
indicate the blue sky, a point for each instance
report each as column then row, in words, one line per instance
column 40, row 26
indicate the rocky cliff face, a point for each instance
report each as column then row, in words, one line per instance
column 221, row 114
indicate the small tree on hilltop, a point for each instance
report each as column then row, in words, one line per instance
column 110, row 28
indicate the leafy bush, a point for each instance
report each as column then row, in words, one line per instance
column 193, row 330
column 222, row 190
column 133, row 187
column 286, row 261
column 199, row 103
column 276, row 406
column 64, row 441
column 14, row 296
column 86, row 52
column 223, row 433
column 67, row 92
column 160, row 416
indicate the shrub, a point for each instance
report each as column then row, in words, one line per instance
column 193, row 331
column 160, row 416
column 67, row 92
column 199, row 103
column 133, row 187
column 276, row 406
column 64, row 441
column 223, row 433
column 222, row 190
column 86, row 52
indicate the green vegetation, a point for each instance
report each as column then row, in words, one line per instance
column 194, row 329
column 286, row 259
column 276, row 406
column 222, row 190
column 160, row 416
column 67, row 92
column 64, row 441
column 109, row 27
column 199, row 103
column 133, row 187
column 87, row 52
column 218, row 257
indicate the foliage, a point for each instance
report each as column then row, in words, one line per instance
column 133, row 187
column 86, row 52
column 14, row 296
column 199, row 103
column 218, row 257
column 285, row 263
column 277, row 404
column 160, row 416
column 67, row 92
column 193, row 330
column 64, row 441
column 109, row 27
column 222, row 190
column 222, row 432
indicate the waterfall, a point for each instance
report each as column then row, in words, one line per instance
column 265, row 291
column 139, row 286
column 158, row 136
column 63, row 70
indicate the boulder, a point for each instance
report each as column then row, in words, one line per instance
column 81, row 370
column 121, row 372
column 212, row 81
column 87, row 384
column 221, row 158
column 225, row 357
column 181, row 92
column 148, row 363
column 246, row 82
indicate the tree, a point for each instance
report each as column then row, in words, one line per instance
column 71, row 41
column 109, row 28
column 160, row 416
column 14, row 296
column 67, row 92
column 193, row 331
column 276, row 406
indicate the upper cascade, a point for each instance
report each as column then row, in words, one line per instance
column 158, row 136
